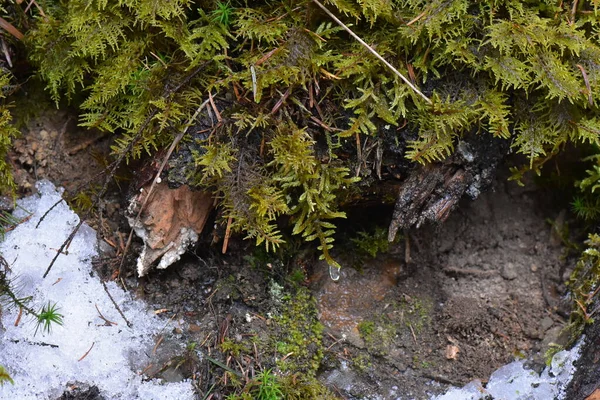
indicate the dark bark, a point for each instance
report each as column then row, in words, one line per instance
column 432, row 191
column 586, row 380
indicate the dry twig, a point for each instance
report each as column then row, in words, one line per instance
column 87, row 352
column 376, row 54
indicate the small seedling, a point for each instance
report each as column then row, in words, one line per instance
column 47, row 316
column 222, row 14
column 268, row 388
column 5, row 377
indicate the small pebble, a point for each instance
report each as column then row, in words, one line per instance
column 509, row 271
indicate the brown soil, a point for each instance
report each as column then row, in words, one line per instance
column 52, row 146
column 479, row 291
column 462, row 300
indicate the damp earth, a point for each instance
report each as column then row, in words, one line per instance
column 442, row 306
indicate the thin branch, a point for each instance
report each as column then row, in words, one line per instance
column 48, row 212
column 87, row 352
column 106, row 321
column 65, row 244
column 376, row 54
column 115, row 304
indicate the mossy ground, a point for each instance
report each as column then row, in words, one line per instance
column 256, row 314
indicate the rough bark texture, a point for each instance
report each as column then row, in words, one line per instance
column 432, row 191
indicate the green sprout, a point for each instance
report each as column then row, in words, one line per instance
column 269, row 388
column 222, row 14
column 47, row 316
column 5, row 377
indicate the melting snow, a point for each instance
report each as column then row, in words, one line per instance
column 514, row 382
column 43, row 365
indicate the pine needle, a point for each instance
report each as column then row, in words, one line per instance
column 376, row 54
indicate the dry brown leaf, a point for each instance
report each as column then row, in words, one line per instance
column 171, row 221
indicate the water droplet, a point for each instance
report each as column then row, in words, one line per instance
column 334, row 273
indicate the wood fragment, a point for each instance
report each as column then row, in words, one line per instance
column 227, row 235
column 113, row 167
column 176, row 140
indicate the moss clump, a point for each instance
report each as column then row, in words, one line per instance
column 5, row 376
column 233, row 348
column 299, row 387
column 372, row 243
column 362, row 362
column 7, row 134
column 300, row 334
column 296, row 336
column 366, row 328
column 417, row 313
column 379, row 335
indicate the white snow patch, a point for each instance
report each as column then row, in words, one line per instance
column 41, row 371
column 514, row 382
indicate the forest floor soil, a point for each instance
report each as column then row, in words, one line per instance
column 445, row 305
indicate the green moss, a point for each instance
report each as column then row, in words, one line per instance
column 525, row 72
column 299, row 387
column 5, row 376
column 299, row 340
column 366, row 328
column 233, row 348
column 372, row 243
column 417, row 313
column 417, row 363
column 295, row 336
column 7, row 134
column 362, row 362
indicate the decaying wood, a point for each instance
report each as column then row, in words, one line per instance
column 429, row 194
column 585, row 384
column 432, row 191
